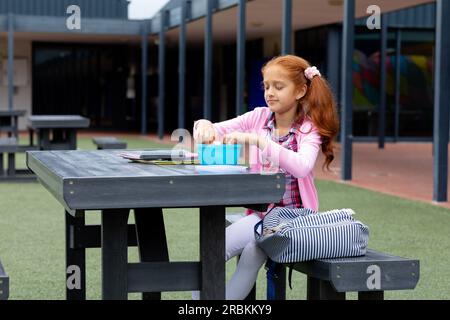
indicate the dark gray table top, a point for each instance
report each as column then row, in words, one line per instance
column 101, row 179
column 9, row 113
column 58, row 121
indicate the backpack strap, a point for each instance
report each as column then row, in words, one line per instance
column 257, row 226
column 291, row 267
column 273, row 273
column 260, row 226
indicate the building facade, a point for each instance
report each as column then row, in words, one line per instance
column 63, row 70
column 97, row 71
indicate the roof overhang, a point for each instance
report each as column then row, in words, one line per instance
column 264, row 17
column 48, row 28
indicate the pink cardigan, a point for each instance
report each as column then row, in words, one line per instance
column 300, row 164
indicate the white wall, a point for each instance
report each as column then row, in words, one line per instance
column 22, row 97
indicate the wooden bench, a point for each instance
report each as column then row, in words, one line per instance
column 369, row 275
column 4, row 284
column 109, row 143
column 10, row 147
column 330, row 279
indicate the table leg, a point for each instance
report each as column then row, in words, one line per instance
column 371, row 295
column 212, row 252
column 11, row 164
column 44, row 139
column 1, row 164
column 75, row 260
column 327, row 292
column 71, row 138
column 151, row 239
column 15, row 125
column 114, row 254
column 31, row 136
column 318, row 289
column 312, row 288
column 58, row 135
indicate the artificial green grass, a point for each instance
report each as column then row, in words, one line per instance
column 32, row 247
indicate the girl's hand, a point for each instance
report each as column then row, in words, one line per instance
column 242, row 138
column 204, row 132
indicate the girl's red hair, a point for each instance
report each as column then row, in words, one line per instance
column 318, row 104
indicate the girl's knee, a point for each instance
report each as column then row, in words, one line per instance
column 238, row 235
column 254, row 252
column 252, row 246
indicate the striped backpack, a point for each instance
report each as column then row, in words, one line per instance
column 293, row 235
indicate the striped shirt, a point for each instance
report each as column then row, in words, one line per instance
column 291, row 197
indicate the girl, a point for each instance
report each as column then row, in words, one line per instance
column 300, row 119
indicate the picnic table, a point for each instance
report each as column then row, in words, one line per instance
column 9, row 145
column 57, row 132
column 102, row 180
column 9, row 122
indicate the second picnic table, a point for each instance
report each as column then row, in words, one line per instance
column 9, row 121
column 102, row 180
column 57, row 132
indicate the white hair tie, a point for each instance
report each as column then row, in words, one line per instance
column 311, row 72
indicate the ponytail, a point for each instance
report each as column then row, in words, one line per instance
column 320, row 107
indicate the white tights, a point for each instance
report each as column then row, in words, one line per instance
column 240, row 240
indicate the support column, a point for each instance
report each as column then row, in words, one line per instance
column 144, row 65
column 382, row 107
column 287, row 27
column 398, row 54
column 162, row 73
column 441, row 100
column 240, row 65
column 347, row 89
column 10, row 61
column 207, row 114
column 182, row 64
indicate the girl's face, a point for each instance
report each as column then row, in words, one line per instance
column 281, row 93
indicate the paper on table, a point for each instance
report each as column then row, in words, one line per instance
column 188, row 154
column 164, row 154
column 167, row 162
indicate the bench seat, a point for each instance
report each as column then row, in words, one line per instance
column 109, row 143
column 369, row 275
column 8, row 145
column 4, row 283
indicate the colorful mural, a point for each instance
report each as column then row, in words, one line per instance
column 415, row 81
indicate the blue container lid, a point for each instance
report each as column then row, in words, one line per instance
column 220, row 154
